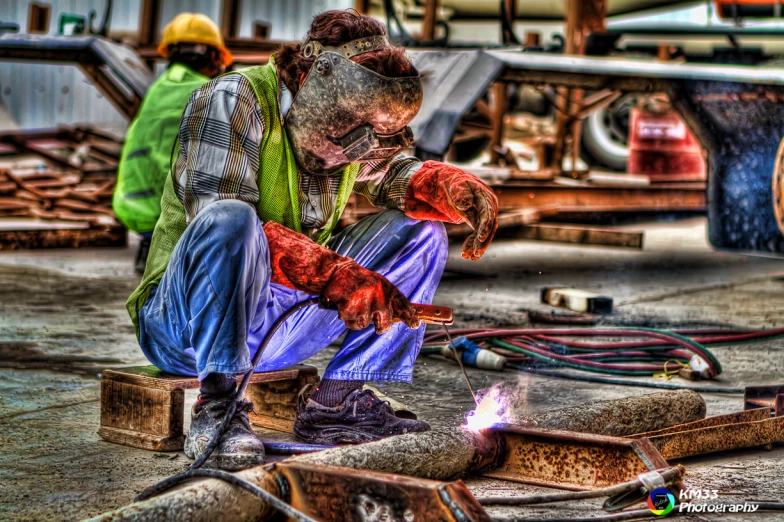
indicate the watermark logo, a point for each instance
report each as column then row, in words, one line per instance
column 661, row 501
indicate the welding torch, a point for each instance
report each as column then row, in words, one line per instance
column 442, row 315
column 430, row 314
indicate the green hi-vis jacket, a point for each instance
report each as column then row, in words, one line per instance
column 145, row 157
column 277, row 179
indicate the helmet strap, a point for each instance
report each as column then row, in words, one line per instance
column 314, row 49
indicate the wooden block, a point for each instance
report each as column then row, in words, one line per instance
column 146, row 441
column 143, row 407
column 579, row 235
column 152, row 377
column 577, row 300
column 275, row 403
column 146, row 410
column 141, row 417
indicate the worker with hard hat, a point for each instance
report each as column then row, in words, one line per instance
column 194, row 48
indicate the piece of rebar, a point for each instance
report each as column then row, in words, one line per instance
column 667, row 476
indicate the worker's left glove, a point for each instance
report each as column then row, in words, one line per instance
column 441, row 192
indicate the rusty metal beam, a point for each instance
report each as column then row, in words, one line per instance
column 721, row 433
column 149, row 20
column 230, row 18
column 514, row 195
column 769, row 397
column 330, row 494
column 497, row 120
column 572, row 460
column 429, row 20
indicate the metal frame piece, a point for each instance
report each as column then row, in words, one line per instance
column 344, row 494
column 770, row 397
column 571, row 460
column 744, row 429
column 116, row 70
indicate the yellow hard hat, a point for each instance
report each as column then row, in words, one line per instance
column 194, row 28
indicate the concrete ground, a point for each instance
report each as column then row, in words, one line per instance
column 62, row 320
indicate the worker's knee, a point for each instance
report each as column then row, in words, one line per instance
column 229, row 224
column 428, row 236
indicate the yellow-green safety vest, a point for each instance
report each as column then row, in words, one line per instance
column 144, row 162
column 277, row 179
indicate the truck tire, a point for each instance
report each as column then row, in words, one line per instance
column 778, row 187
column 605, row 134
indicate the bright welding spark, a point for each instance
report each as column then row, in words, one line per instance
column 493, row 408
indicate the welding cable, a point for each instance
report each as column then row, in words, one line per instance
column 561, row 360
column 293, row 448
column 621, row 382
column 234, row 480
column 667, row 475
column 545, row 342
column 676, row 339
column 246, row 380
column 194, row 470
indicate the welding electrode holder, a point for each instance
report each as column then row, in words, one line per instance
column 428, row 314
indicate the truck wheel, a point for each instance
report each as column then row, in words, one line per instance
column 778, row 187
column 605, row 134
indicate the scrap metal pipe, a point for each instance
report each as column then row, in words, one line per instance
column 623, row 417
column 438, row 454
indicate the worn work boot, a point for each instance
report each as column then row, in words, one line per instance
column 362, row 417
column 239, row 448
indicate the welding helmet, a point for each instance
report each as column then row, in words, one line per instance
column 345, row 113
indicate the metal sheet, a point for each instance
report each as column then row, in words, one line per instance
column 453, row 81
column 522, row 63
column 572, row 460
column 117, row 71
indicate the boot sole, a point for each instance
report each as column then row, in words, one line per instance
column 331, row 435
column 234, row 462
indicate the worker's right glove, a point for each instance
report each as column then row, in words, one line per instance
column 359, row 295
column 443, row 192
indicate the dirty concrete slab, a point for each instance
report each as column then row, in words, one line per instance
column 62, row 320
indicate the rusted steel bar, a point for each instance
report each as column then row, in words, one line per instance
column 769, row 397
column 730, row 436
column 571, row 460
column 718, row 420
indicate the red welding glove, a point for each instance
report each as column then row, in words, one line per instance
column 359, row 295
column 442, row 192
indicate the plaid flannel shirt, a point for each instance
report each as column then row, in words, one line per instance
column 220, row 137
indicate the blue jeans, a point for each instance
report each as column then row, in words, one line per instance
column 216, row 302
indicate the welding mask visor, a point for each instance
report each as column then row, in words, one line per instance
column 345, row 113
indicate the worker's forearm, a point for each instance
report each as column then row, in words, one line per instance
column 300, row 263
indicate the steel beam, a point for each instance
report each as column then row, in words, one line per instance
column 745, row 429
column 572, row 460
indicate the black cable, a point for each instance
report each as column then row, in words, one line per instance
column 194, row 471
column 268, row 497
column 246, row 380
column 623, row 382
column 636, row 514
